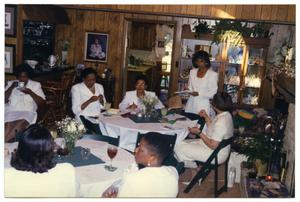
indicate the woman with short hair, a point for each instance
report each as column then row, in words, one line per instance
column 34, row 173
column 21, row 101
column 218, row 128
column 155, row 180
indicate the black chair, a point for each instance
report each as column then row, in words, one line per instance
column 90, row 127
column 110, row 140
column 208, row 166
column 191, row 116
column 170, row 160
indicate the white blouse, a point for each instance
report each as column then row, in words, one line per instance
column 131, row 97
column 206, row 87
column 80, row 94
column 19, row 101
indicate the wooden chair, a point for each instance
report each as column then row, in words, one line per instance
column 208, row 166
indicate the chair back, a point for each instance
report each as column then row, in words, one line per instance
column 224, row 143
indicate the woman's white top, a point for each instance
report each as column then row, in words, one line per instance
column 150, row 182
column 131, row 97
column 206, row 87
column 220, row 128
column 59, row 181
column 80, row 94
column 21, row 105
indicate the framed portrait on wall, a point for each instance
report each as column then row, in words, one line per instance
column 9, row 58
column 96, row 47
column 10, row 20
column 206, row 48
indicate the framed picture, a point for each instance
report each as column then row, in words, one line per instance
column 206, row 48
column 9, row 58
column 96, row 47
column 10, row 20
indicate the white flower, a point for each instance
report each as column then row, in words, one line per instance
column 81, row 127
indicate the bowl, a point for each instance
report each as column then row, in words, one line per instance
column 32, row 63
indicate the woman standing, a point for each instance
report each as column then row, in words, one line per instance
column 203, row 84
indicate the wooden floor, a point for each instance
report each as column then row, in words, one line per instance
column 206, row 188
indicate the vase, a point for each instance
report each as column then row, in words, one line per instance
column 64, row 57
column 70, row 145
column 148, row 112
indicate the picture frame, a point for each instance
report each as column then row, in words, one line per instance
column 9, row 58
column 206, row 48
column 10, row 20
column 96, row 47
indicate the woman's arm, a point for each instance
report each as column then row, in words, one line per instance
column 9, row 90
column 37, row 99
column 209, row 142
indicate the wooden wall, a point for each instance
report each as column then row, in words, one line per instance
column 273, row 13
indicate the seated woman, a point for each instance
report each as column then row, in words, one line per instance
column 22, row 98
column 88, row 99
column 219, row 128
column 131, row 101
column 34, row 172
column 154, row 180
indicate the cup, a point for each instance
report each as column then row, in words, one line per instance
column 85, row 153
column 107, row 106
column 241, row 129
column 21, row 84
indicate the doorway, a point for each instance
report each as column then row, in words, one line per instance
column 149, row 49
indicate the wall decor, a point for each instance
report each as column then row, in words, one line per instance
column 96, row 47
column 9, row 58
column 10, row 20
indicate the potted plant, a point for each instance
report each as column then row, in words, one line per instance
column 258, row 150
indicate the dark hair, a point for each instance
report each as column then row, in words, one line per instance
column 201, row 55
column 158, row 144
column 87, row 71
column 35, row 150
column 222, row 101
column 23, row 68
column 141, row 77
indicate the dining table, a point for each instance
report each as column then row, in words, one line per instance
column 127, row 128
column 93, row 179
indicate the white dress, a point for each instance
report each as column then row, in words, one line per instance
column 59, row 181
column 21, row 105
column 131, row 97
column 150, row 182
column 220, row 128
column 206, row 87
column 80, row 94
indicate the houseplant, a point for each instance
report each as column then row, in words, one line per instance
column 258, row 149
column 71, row 131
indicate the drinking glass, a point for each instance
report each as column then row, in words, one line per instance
column 85, row 153
column 164, row 111
column 107, row 106
column 111, row 152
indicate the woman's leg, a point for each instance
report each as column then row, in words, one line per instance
column 11, row 128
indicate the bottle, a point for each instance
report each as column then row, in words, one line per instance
column 231, row 177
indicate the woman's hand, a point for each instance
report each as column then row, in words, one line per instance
column 194, row 130
column 111, row 192
column 203, row 113
column 194, row 93
column 26, row 91
column 14, row 84
column 94, row 98
column 100, row 98
column 133, row 106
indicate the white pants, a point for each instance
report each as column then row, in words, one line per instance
column 191, row 150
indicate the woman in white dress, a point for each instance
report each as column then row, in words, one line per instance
column 22, row 99
column 203, row 84
column 155, row 180
column 34, row 173
column 131, row 100
column 218, row 128
column 88, row 98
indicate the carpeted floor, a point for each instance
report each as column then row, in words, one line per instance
column 206, row 188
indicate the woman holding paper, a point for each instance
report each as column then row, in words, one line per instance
column 202, row 84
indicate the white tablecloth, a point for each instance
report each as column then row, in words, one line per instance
column 93, row 179
column 127, row 129
column 29, row 116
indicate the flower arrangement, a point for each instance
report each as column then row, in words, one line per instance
column 70, row 130
column 65, row 45
column 283, row 61
column 149, row 103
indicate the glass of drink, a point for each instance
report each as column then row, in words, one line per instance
column 85, row 153
column 111, row 152
column 107, row 106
